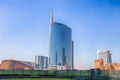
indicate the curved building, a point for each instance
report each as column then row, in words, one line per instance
column 60, row 46
column 61, row 49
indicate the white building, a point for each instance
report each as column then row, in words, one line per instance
column 105, row 55
column 42, row 62
column 33, row 64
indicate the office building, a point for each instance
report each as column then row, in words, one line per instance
column 42, row 62
column 61, row 45
column 105, row 55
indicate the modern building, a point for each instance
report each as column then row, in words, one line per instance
column 61, row 45
column 42, row 62
column 72, row 55
column 15, row 65
column 98, row 64
column 104, row 61
column 105, row 55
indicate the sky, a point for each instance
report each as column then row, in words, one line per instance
column 24, row 28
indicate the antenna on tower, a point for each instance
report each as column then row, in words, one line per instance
column 51, row 17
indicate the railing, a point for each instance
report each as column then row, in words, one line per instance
column 79, row 74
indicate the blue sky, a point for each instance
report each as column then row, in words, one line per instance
column 24, row 28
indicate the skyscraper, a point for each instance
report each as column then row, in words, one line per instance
column 105, row 55
column 61, row 54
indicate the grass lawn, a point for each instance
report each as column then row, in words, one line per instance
column 38, row 79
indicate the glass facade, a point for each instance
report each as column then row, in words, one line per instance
column 60, row 45
column 42, row 62
column 105, row 55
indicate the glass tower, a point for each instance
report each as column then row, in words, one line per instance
column 60, row 45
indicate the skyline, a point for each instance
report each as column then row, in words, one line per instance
column 24, row 28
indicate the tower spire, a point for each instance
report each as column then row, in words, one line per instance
column 51, row 18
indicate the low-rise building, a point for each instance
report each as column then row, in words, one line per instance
column 15, row 65
column 98, row 63
column 113, row 66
